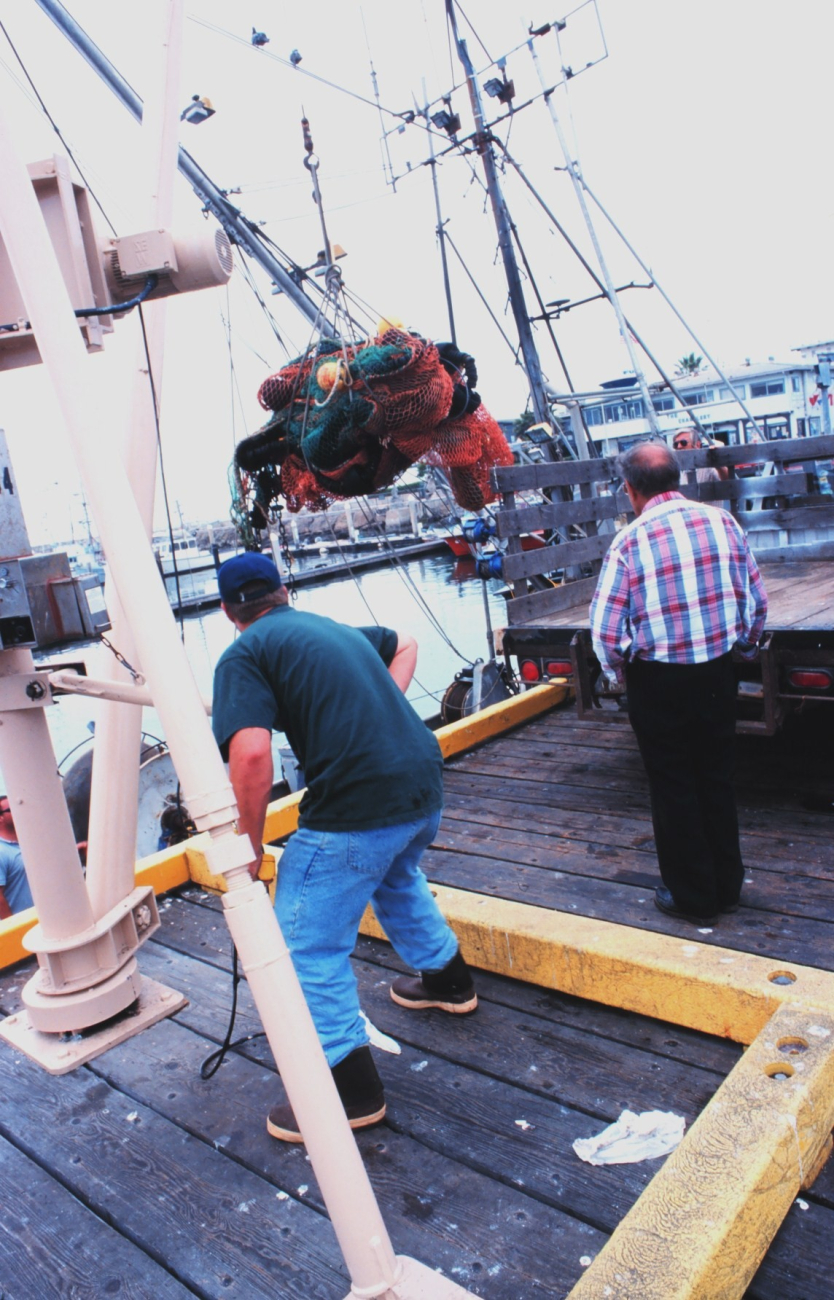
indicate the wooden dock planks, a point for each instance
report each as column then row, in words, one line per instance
column 800, row 595
column 474, row 1167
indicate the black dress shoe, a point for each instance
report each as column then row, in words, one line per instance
column 664, row 902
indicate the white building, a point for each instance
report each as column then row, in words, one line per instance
column 783, row 397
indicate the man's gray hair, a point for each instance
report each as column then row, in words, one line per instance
column 650, row 468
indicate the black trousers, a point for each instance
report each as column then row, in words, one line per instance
column 683, row 716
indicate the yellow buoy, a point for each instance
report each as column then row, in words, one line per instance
column 389, row 323
column 328, row 374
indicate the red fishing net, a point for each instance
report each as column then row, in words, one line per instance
column 349, row 419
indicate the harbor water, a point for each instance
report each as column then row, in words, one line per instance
column 436, row 599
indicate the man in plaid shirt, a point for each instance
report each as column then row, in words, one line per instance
column 677, row 592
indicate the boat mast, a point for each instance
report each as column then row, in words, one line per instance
column 236, row 226
column 483, row 144
column 440, row 229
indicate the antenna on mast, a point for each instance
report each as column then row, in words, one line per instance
column 387, row 165
column 483, row 144
column 441, row 224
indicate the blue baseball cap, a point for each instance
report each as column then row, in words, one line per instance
column 243, row 570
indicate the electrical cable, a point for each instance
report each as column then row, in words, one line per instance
column 215, row 1059
column 112, row 309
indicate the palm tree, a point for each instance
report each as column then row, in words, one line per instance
column 689, row 365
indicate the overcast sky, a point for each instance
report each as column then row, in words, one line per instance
column 704, row 133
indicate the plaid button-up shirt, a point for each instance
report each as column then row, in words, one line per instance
column 678, row 584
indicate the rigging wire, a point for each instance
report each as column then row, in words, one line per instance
column 482, row 297
column 234, row 387
column 397, row 565
column 162, row 475
column 262, row 187
column 542, row 307
column 738, row 397
column 57, row 129
column 409, row 582
column 249, row 277
column 600, row 285
column 113, row 231
column 294, row 67
column 387, row 165
column 432, row 53
column 474, row 32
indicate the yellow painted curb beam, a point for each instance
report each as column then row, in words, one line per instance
column 703, row 1225
column 457, row 737
column 176, row 866
column 715, row 990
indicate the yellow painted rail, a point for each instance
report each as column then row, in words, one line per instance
column 176, row 866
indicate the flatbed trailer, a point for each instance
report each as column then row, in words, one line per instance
column 787, row 513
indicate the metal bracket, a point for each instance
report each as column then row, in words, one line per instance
column 58, row 1054
column 23, row 691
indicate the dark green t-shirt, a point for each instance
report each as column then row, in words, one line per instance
column 368, row 759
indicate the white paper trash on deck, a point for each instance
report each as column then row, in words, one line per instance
column 633, row 1138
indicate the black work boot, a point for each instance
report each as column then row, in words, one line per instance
column 450, row 989
column 359, row 1087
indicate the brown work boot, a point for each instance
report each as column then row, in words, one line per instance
column 359, row 1087
column 450, row 989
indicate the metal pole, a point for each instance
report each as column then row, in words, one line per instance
column 375, row 1270
column 36, row 798
column 239, row 230
column 530, row 356
column 824, row 385
column 111, row 848
column 610, row 292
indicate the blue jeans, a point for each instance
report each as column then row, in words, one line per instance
column 325, row 881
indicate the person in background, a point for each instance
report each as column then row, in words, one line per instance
column 678, row 591
column 690, row 440
column 15, row 895
column 372, row 806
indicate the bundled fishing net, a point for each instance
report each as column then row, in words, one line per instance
column 347, row 419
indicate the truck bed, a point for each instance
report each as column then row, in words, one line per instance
column 801, row 595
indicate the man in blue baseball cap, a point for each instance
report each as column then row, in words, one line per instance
column 372, row 805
